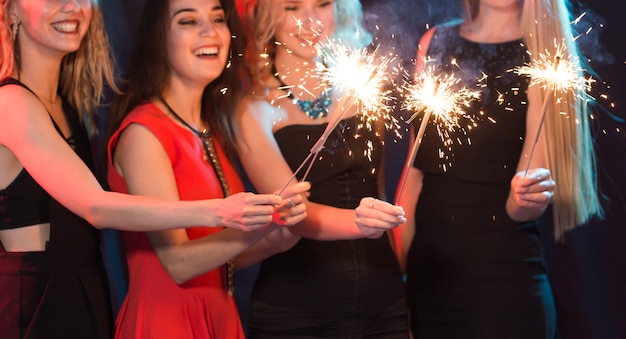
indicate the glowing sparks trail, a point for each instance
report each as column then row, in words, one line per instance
column 360, row 76
column 555, row 74
column 437, row 95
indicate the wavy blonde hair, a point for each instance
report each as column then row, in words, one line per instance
column 261, row 18
column 571, row 157
column 84, row 73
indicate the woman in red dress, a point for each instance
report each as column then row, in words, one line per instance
column 171, row 143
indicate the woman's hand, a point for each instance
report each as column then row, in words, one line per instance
column 292, row 210
column 248, row 211
column 534, row 189
column 374, row 217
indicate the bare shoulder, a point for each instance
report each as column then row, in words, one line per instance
column 258, row 106
column 21, row 113
column 15, row 98
column 424, row 42
column 138, row 146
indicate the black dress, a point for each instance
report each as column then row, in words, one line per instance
column 332, row 289
column 472, row 271
column 62, row 291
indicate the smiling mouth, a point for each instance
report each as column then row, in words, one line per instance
column 206, row 51
column 66, row 27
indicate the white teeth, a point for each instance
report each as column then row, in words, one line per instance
column 65, row 27
column 206, row 51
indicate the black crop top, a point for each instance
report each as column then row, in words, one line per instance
column 23, row 202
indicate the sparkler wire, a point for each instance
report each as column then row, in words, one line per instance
column 416, row 144
column 544, row 108
column 411, row 159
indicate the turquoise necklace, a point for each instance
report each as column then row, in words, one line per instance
column 314, row 109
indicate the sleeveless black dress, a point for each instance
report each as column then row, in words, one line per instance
column 332, row 289
column 472, row 271
column 62, row 291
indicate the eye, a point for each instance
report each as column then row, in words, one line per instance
column 219, row 19
column 187, row 21
column 325, row 3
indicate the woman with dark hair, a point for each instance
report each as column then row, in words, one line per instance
column 171, row 141
column 54, row 63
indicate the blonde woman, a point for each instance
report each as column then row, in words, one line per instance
column 470, row 247
column 54, row 63
column 332, row 283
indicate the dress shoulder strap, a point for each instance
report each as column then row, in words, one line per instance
column 13, row 81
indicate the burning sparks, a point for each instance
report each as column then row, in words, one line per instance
column 556, row 72
column 356, row 73
column 438, row 95
column 361, row 77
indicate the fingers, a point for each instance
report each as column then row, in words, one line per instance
column 534, row 189
column 263, row 199
column 384, row 207
column 289, row 216
column 296, row 189
column 248, row 211
column 374, row 217
column 292, row 209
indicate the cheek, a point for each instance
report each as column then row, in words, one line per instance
column 329, row 21
column 174, row 52
column 226, row 37
column 282, row 31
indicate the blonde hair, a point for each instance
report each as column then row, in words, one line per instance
column 261, row 18
column 84, row 73
column 571, row 158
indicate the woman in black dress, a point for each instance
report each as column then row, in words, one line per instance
column 332, row 283
column 472, row 251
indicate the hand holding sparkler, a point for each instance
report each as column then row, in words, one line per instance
column 374, row 217
column 434, row 95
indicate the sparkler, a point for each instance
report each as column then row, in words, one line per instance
column 360, row 76
column 555, row 74
column 436, row 95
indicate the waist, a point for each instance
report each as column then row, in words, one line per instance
column 47, row 262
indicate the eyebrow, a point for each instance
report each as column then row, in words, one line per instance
column 193, row 10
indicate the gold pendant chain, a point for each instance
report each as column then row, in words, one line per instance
column 210, row 155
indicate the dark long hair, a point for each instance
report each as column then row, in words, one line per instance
column 148, row 72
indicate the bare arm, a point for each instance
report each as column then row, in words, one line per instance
column 148, row 172
column 27, row 131
column 268, row 171
column 403, row 234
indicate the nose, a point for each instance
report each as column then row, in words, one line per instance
column 72, row 6
column 207, row 29
column 310, row 21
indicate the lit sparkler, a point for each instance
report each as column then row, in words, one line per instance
column 555, row 74
column 436, row 95
column 361, row 77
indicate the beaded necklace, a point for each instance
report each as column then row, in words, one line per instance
column 314, row 109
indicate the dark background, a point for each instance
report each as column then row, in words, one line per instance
column 588, row 268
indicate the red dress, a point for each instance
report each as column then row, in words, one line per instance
column 157, row 307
